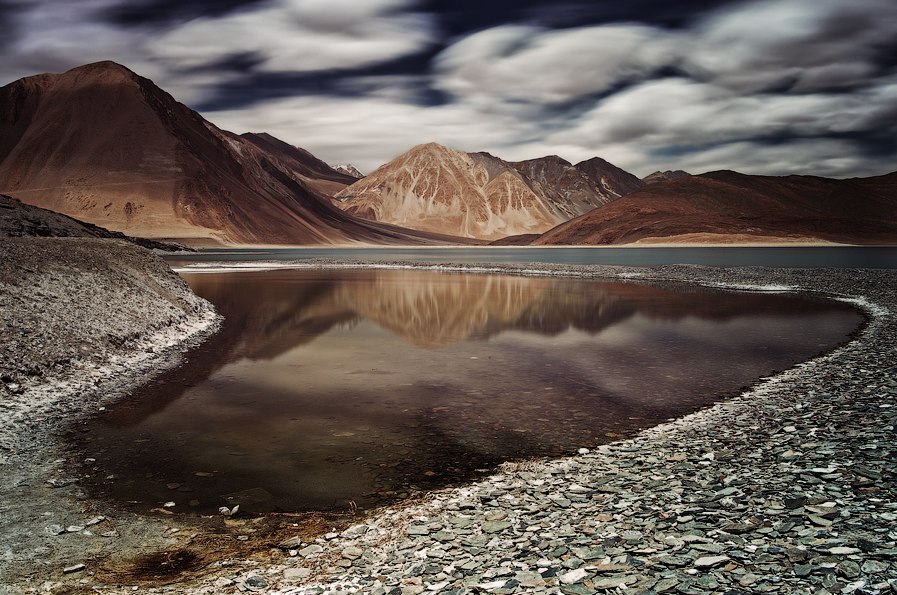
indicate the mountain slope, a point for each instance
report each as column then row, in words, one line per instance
column 727, row 206
column 18, row 220
column 105, row 145
column 478, row 195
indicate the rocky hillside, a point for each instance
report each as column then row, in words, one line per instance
column 478, row 195
column 107, row 146
column 18, row 220
column 726, row 207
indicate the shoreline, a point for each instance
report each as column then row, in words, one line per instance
column 579, row 486
column 85, row 321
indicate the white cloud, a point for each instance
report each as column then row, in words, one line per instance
column 755, row 45
column 535, row 65
column 369, row 132
column 301, row 35
column 700, row 126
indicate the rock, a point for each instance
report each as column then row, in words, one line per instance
column 290, row 543
column 844, row 551
column 352, row 552
column 255, row 583
column 73, row 568
column 495, row 526
column 711, row 561
column 748, row 579
column 311, row 550
column 293, row 574
column 417, row 530
column 574, row 576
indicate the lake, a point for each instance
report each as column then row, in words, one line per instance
column 330, row 389
column 779, row 256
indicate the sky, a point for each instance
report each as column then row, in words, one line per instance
column 760, row 86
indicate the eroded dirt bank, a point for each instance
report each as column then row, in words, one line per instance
column 82, row 321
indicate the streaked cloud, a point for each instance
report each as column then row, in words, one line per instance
column 762, row 86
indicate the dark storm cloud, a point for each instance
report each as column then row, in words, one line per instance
column 459, row 17
column 141, row 13
column 401, row 75
column 8, row 10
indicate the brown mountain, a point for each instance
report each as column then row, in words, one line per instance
column 727, row 207
column 107, row 146
column 477, row 195
column 611, row 179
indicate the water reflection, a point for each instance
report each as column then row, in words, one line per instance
column 330, row 386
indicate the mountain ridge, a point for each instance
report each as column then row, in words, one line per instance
column 478, row 195
column 105, row 145
column 730, row 207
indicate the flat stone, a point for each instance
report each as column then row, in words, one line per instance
column 574, row 576
column 311, row 550
column 844, row 551
column 73, row 568
column 292, row 574
column 711, row 561
column 495, row 526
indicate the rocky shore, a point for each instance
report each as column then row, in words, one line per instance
column 82, row 322
column 788, row 488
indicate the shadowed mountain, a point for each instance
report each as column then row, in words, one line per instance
column 729, row 207
column 477, row 195
column 18, row 220
column 107, row 146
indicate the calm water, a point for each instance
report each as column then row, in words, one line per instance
column 813, row 257
column 326, row 387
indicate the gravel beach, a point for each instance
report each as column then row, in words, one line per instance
column 788, row 488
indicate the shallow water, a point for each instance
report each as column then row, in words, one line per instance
column 329, row 389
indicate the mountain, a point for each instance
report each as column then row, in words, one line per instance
column 664, row 176
column 610, row 178
column 308, row 168
column 349, row 170
column 729, row 207
column 478, row 195
column 18, row 220
column 107, row 146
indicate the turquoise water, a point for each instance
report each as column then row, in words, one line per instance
column 801, row 257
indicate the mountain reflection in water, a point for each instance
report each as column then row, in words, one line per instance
column 336, row 385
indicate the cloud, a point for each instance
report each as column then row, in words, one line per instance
column 810, row 44
column 764, row 86
column 530, row 64
column 703, row 126
column 300, row 35
column 368, row 132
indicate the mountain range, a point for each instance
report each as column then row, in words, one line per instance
column 729, row 207
column 477, row 195
column 108, row 147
